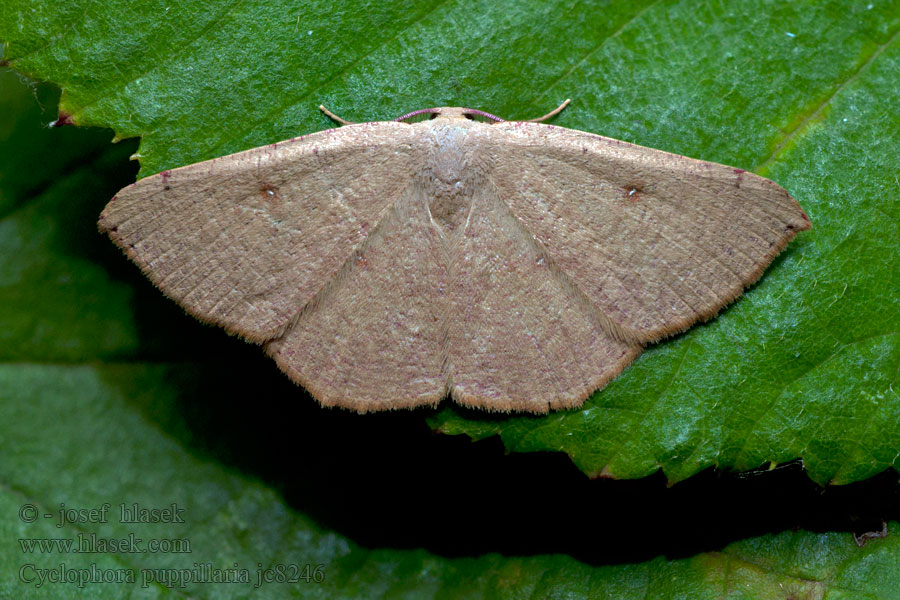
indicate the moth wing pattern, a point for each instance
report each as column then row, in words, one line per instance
column 247, row 240
column 658, row 241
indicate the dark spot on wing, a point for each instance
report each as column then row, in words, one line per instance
column 633, row 191
column 268, row 191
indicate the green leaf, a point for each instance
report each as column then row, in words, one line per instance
column 804, row 366
column 110, row 394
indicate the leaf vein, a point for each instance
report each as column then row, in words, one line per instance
column 157, row 64
column 291, row 103
column 594, row 50
column 811, row 117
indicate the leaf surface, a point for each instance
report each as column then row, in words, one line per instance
column 96, row 365
column 803, row 366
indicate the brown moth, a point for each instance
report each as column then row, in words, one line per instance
column 508, row 265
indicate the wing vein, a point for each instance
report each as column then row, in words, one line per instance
column 610, row 327
column 330, row 287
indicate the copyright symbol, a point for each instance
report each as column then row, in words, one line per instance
column 28, row 513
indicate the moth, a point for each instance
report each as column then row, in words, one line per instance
column 509, row 265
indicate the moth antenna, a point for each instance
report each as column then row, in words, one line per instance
column 421, row 111
column 334, row 117
column 552, row 113
column 481, row 113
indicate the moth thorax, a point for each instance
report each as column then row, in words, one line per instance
column 449, row 205
column 452, row 177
